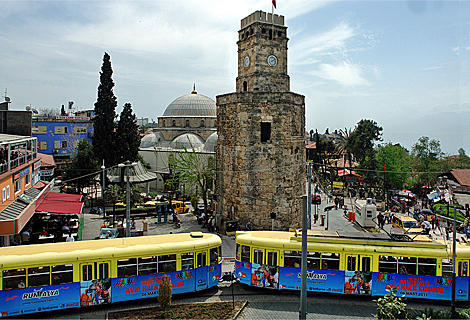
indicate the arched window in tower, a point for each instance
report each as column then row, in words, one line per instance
column 245, row 86
column 173, row 124
column 187, row 123
column 270, row 34
column 202, row 123
column 215, row 124
column 163, row 123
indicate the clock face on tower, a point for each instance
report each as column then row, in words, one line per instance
column 246, row 62
column 272, row 60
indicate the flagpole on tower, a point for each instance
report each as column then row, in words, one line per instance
column 272, row 17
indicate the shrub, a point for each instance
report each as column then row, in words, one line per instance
column 164, row 292
column 194, row 202
column 391, row 306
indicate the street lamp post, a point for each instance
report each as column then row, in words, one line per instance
column 127, row 165
column 103, row 188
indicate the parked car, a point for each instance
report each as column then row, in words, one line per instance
column 316, row 198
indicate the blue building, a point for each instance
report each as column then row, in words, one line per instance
column 60, row 135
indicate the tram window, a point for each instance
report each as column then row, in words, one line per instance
column 272, row 258
column 463, row 267
column 103, row 271
column 214, row 256
column 388, row 264
column 313, row 260
column 127, row 267
column 330, row 261
column 87, row 272
column 351, row 263
column 258, row 256
column 407, row 265
column 62, row 274
column 187, row 261
column 14, row 279
column 447, row 267
column 147, row 265
column 201, row 259
column 365, row 265
column 167, row 263
column 245, row 253
column 292, row 259
column 427, row 266
column 39, row 276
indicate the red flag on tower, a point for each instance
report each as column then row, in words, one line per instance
column 274, row 4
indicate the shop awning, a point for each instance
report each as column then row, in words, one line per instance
column 56, row 202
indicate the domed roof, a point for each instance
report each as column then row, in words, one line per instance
column 151, row 140
column 211, row 142
column 191, row 105
column 188, row 140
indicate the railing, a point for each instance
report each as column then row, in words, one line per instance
column 17, row 162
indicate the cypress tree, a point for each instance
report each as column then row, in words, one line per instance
column 104, row 137
column 128, row 138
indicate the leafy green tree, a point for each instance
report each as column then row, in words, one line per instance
column 81, row 167
column 194, row 169
column 361, row 141
column 113, row 193
column 104, row 137
column 427, row 153
column 396, row 160
column 128, row 138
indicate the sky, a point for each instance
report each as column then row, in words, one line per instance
column 403, row 64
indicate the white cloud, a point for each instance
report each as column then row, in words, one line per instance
column 345, row 73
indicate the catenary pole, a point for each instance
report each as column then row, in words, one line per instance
column 303, row 288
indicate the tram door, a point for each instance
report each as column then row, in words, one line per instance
column 358, row 263
column 95, row 283
column 202, row 271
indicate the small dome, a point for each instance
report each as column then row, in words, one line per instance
column 211, row 143
column 188, row 140
column 151, row 140
column 191, row 105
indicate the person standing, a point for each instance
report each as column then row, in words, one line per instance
column 70, row 238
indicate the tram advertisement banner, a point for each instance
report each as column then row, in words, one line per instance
column 264, row 276
column 243, row 272
column 426, row 287
column 124, row 289
column 317, row 280
column 29, row 300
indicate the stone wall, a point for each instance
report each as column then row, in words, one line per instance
column 255, row 177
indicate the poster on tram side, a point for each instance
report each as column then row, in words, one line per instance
column 30, row 300
column 317, row 280
column 264, row 276
column 243, row 272
column 137, row 287
column 424, row 287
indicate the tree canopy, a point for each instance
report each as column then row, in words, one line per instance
column 362, row 139
column 127, row 135
column 84, row 163
column 104, row 137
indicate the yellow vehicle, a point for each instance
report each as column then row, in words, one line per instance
column 179, row 206
column 353, row 263
column 404, row 224
column 43, row 277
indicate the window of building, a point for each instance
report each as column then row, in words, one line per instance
column 265, row 131
column 63, row 144
column 43, row 145
column 79, row 130
column 245, row 86
column 18, row 185
column 163, row 123
column 202, row 124
column 4, row 194
column 173, row 124
column 187, row 123
column 27, row 179
column 39, row 130
column 8, row 192
column 60, row 130
column 215, row 123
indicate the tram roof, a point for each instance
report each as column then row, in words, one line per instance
column 106, row 248
column 339, row 237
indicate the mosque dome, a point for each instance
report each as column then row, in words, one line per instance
column 188, row 140
column 191, row 105
column 151, row 140
column 211, row 142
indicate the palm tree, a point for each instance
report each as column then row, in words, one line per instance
column 344, row 145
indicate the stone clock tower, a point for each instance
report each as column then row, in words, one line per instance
column 261, row 149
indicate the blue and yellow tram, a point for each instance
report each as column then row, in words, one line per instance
column 352, row 263
column 54, row 276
